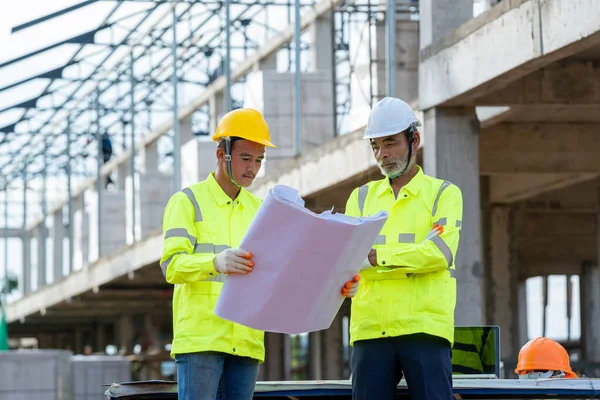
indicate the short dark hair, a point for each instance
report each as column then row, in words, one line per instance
column 233, row 139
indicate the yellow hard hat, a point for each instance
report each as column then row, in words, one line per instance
column 245, row 123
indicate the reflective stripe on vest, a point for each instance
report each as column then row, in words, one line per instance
column 363, row 191
column 362, row 197
column 190, row 195
column 198, row 247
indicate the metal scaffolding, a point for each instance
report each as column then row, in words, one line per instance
column 132, row 71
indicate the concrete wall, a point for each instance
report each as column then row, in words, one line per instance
column 35, row 375
column 91, row 372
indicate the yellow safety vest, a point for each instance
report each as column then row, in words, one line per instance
column 200, row 222
column 420, row 295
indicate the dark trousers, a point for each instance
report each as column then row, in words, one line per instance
column 378, row 365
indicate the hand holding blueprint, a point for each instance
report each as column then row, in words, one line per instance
column 301, row 262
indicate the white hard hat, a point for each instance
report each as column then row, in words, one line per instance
column 389, row 117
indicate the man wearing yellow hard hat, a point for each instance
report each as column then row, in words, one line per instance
column 203, row 226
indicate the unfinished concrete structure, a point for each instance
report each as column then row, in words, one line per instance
column 509, row 101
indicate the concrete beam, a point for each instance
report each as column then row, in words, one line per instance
column 532, row 267
column 502, row 45
column 11, row 233
column 547, row 237
column 577, row 198
column 540, row 148
column 561, row 83
column 546, row 113
column 514, row 188
column 104, row 270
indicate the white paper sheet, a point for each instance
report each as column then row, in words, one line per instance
column 301, row 262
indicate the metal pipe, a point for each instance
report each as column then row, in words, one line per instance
column 43, row 251
column 26, row 243
column 70, row 197
column 370, row 35
column 390, row 49
column 569, row 306
column 545, row 306
column 176, row 138
column 227, row 61
column 132, row 158
column 298, row 90
column 99, row 186
column 5, row 287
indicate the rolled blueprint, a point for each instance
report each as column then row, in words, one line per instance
column 301, row 262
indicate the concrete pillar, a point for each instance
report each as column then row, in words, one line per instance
column 216, row 109
column 41, row 253
column 440, row 17
column 151, row 157
column 112, row 223
column 590, row 312
column 197, row 160
column 80, row 233
column 154, row 192
column 122, row 173
column 407, row 60
column 78, row 341
column 185, row 130
column 452, row 153
column 332, row 350
column 315, row 350
column 503, row 288
column 287, row 358
column 58, row 235
column 100, row 339
column 26, row 280
column 124, row 333
column 273, row 366
column 321, row 48
column 522, row 304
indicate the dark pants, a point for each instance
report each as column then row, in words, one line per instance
column 378, row 364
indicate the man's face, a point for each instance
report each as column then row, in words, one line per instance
column 246, row 160
column 391, row 154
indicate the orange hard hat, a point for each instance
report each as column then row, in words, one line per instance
column 543, row 354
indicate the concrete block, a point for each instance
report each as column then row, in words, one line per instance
column 112, row 223
column 90, row 373
column 35, row 374
column 81, row 236
column 197, row 160
column 155, row 191
column 272, row 93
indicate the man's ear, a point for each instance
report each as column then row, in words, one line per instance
column 417, row 140
column 220, row 154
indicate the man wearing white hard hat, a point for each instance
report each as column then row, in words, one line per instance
column 402, row 317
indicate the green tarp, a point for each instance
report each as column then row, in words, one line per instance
column 3, row 330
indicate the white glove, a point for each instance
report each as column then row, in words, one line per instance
column 233, row 261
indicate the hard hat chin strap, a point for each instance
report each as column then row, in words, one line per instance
column 228, row 159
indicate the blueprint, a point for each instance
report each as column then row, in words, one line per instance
column 301, row 262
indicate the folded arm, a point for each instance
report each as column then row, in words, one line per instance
column 437, row 253
column 179, row 263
